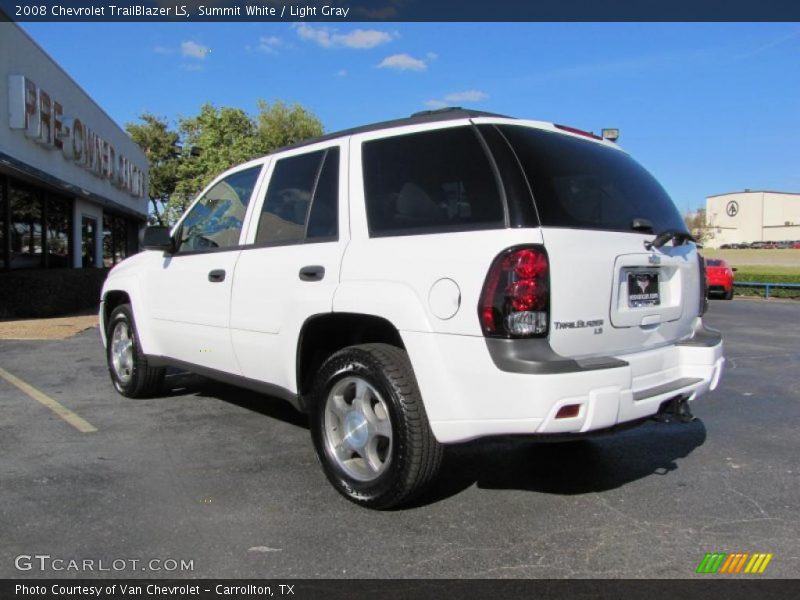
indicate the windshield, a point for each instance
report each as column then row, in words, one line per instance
column 581, row 184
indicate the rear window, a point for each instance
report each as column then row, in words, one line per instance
column 713, row 262
column 430, row 182
column 581, row 184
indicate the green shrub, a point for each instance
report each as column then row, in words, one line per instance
column 765, row 276
column 49, row 292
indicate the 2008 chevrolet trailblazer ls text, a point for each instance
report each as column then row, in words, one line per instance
column 425, row 281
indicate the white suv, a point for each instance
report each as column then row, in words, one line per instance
column 421, row 282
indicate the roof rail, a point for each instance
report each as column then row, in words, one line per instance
column 426, row 116
column 456, row 111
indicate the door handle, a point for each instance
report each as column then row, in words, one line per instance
column 216, row 276
column 312, row 273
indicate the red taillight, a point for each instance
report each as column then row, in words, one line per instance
column 516, row 297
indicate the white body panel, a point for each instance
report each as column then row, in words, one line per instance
column 428, row 287
column 588, row 283
column 270, row 303
column 190, row 314
column 469, row 397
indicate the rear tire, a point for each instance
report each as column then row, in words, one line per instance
column 370, row 429
column 728, row 295
column 127, row 364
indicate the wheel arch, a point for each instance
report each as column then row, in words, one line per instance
column 120, row 291
column 324, row 334
column 111, row 300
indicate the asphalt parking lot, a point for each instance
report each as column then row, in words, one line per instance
column 228, row 479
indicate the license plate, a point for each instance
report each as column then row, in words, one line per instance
column 643, row 289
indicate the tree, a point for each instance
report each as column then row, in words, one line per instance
column 211, row 142
column 219, row 138
column 698, row 226
column 280, row 125
column 161, row 147
column 214, row 140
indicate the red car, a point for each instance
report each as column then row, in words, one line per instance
column 719, row 275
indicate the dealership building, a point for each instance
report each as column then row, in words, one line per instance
column 753, row 216
column 73, row 185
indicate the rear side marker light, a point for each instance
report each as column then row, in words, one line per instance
column 568, row 411
column 515, row 301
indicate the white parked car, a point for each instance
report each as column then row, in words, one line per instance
column 421, row 282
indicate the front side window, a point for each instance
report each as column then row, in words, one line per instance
column 215, row 221
column 429, row 182
column 302, row 200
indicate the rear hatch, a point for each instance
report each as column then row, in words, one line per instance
column 598, row 208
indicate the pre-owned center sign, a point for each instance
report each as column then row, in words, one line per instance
column 42, row 118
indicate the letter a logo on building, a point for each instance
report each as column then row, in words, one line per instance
column 737, row 562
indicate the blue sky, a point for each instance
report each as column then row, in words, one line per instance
column 708, row 108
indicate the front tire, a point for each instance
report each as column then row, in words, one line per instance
column 370, row 429
column 127, row 364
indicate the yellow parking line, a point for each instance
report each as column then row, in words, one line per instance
column 62, row 411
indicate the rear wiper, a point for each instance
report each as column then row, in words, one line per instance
column 677, row 237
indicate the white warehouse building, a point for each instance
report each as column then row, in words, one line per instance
column 753, row 216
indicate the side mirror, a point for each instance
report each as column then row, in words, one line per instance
column 734, row 269
column 156, row 237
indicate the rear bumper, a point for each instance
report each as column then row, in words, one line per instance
column 470, row 394
column 719, row 288
column 724, row 283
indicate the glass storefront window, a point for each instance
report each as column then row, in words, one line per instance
column 3, row 200
column 59, row 211
column 26, row 228
column 37, row 225
column 115, row 239
column 38, row 233
column 108, row 240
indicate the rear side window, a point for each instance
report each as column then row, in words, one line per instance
column 581, row 184
column 302, row 199
column 430, row 182
column 323, row 218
